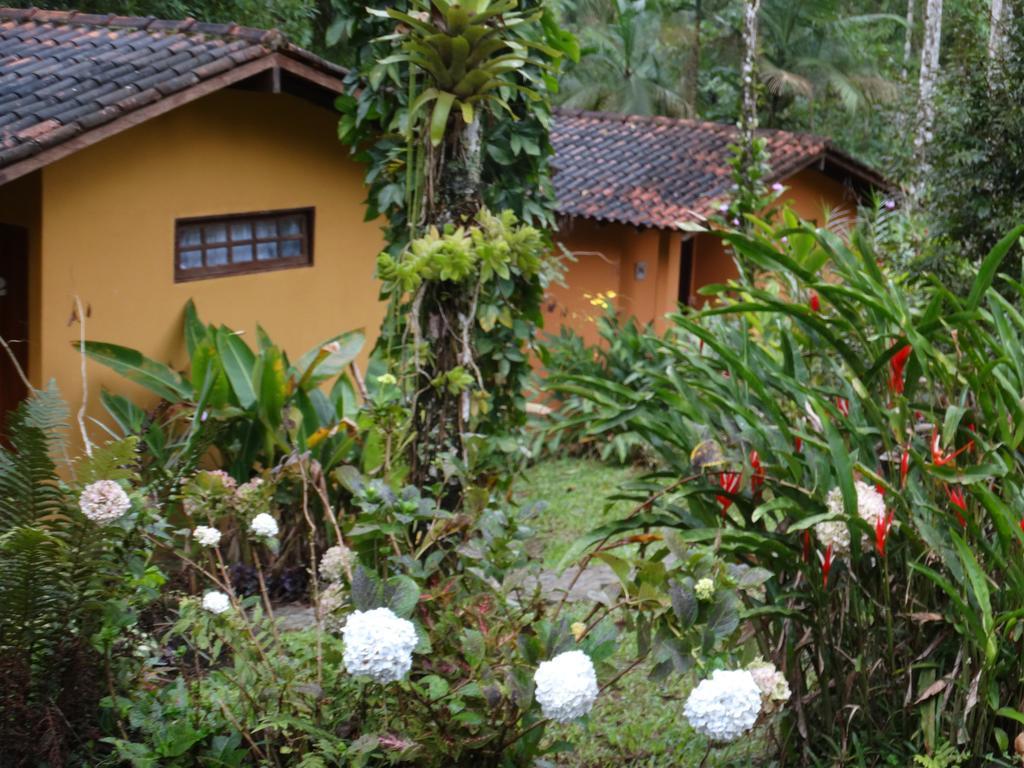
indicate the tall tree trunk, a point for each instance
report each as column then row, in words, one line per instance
column 443, row 314
column 748, row 111
column 693, row 67
column 908, row 41
column 926, row 89
column 999, row 17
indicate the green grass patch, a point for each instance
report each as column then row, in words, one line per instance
column 639, row 723
column 576, row 493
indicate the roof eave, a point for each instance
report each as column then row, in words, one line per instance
column 301, row 64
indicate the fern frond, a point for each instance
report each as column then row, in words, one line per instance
column 29, row 486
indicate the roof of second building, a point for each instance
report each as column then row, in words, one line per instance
column 64, row 74
column 662, row 172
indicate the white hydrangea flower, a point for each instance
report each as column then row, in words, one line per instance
column 104, row 501
column 206, row 536
column 833, row 532
column 870, row 509
column 378, row 644
column 263, row 525
column 216, row 602
column 566, row 686
column 336, row 563
column 705, row 589
column 772, row 683
column 724, row 706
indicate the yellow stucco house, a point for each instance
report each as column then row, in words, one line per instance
column 629, row 187
column 143, row 163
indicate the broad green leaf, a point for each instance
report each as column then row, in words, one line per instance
column 133, row 365
column 272, row 384
column 328, row 359
column 239, row 363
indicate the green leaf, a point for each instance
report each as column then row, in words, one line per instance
column 439, row 117
column 238, row 361
column 136, row 367
column 989, row 267
column 328, row 359
column 195, row 331
column 403, row 595
column 272, row 385
column 473, row 647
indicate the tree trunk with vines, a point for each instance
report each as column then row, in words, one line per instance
column 443, row 314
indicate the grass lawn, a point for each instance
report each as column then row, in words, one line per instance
column 640, row 723
column 576, row 492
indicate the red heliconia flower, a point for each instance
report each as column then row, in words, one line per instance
column 957, row 499
column 882, row 526
column 896, row 365
column 730, row 482
column 1022, row 525
column 904, row 467
column 826, row 565
column 807, row 544
column 843, row 405
column 757, row 473
column 939, row 457
column 798, row 443
column 815, row 303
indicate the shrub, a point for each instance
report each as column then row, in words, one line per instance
column 776, row 413
column 75, row 573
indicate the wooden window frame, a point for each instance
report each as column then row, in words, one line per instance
column 205, row 272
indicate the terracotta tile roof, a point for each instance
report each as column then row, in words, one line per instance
column 65, row 73
column 659, row 171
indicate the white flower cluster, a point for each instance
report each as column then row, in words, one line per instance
column 704, row 589
column 206, row 536
column 263, row 525
column 216, row 602
column 834, row 533
column 566, row 686
column 378, row 644
column 226, row 480
column 870, row 509
column 336, row 563
column 331, row 600
column 724, row 706
column 772, row 683
column 104, row 501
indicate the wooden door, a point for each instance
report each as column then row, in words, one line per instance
column 13, row 315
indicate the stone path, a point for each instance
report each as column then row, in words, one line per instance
column 597, row 583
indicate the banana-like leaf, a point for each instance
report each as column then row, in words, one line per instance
column 133, row 365
column 328, row 359
column 238, row 361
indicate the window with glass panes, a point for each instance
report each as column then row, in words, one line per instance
column 213, row 246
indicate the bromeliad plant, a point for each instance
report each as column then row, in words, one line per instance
column 463, row 363
column 859, row 436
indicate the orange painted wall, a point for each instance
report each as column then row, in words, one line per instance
column 108, row 234
column 649, row 300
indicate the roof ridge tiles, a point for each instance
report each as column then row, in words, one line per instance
column 273, row 37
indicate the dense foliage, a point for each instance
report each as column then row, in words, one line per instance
column 976, row 185
column 894, row 616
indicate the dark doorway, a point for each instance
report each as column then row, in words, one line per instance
column 685, row 271
column 13, row 316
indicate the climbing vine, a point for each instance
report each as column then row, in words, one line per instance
column 450, row 111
